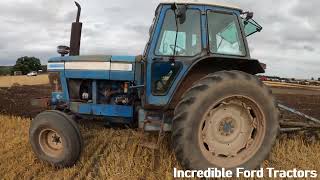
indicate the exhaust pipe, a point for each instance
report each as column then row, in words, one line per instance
column 75, row 38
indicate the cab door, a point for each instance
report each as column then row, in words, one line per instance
column 163, row 74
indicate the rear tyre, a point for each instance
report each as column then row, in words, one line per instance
column 228, row 119
column 55, row 139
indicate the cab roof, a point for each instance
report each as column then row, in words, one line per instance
column 202, row 2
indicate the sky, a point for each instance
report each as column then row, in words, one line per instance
column 288, row 44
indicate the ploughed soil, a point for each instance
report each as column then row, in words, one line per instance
column 16, row 100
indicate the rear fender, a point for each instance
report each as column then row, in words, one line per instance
column 209, row 65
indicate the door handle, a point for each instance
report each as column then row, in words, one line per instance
column 157, row 59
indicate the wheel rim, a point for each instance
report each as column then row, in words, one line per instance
column 232, row 131
column 51, row 143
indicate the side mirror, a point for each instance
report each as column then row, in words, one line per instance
column 181, row 12
column 249, row 15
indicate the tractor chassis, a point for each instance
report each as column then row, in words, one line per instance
column 287, row 125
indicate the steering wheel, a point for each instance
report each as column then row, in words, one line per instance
column 180, row 51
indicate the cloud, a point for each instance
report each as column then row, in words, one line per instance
column 288, row 43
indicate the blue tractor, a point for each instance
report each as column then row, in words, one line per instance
column 195, row 78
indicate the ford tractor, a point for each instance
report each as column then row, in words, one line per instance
column 195, row 78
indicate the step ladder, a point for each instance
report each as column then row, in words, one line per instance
column 157, row 122
column 154, row 146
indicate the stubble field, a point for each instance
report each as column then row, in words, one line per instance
column 116, row 153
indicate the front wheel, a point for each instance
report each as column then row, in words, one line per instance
column 56, row 139
column 228, row 119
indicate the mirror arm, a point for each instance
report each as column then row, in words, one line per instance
column 177, row 31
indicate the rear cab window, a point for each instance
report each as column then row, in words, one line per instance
column 225, row 35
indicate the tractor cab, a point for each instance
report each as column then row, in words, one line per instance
column 186, row 35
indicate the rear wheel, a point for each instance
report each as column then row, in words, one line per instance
column 56, row 139
column 228, row 119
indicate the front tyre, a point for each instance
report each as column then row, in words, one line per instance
column 55, row 139
column 228, row 119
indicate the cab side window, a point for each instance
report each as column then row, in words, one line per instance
column 251, row 27
column 188, row 37
column 225, row 34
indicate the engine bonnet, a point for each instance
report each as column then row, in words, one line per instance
column 95, row 67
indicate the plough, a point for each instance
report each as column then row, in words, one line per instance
column 312, row 123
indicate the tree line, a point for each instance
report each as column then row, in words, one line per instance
column 24, row 65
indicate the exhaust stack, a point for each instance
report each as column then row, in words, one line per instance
column 75, row 38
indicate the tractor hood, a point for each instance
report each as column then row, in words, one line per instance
column 95, row 67
column 94, row 58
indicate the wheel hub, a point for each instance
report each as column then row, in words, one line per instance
column 54, row 140
column 51, row 142
column 226, row 127
column 229, row 130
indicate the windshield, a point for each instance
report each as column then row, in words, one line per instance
column 188, row 38
column 251, row 27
